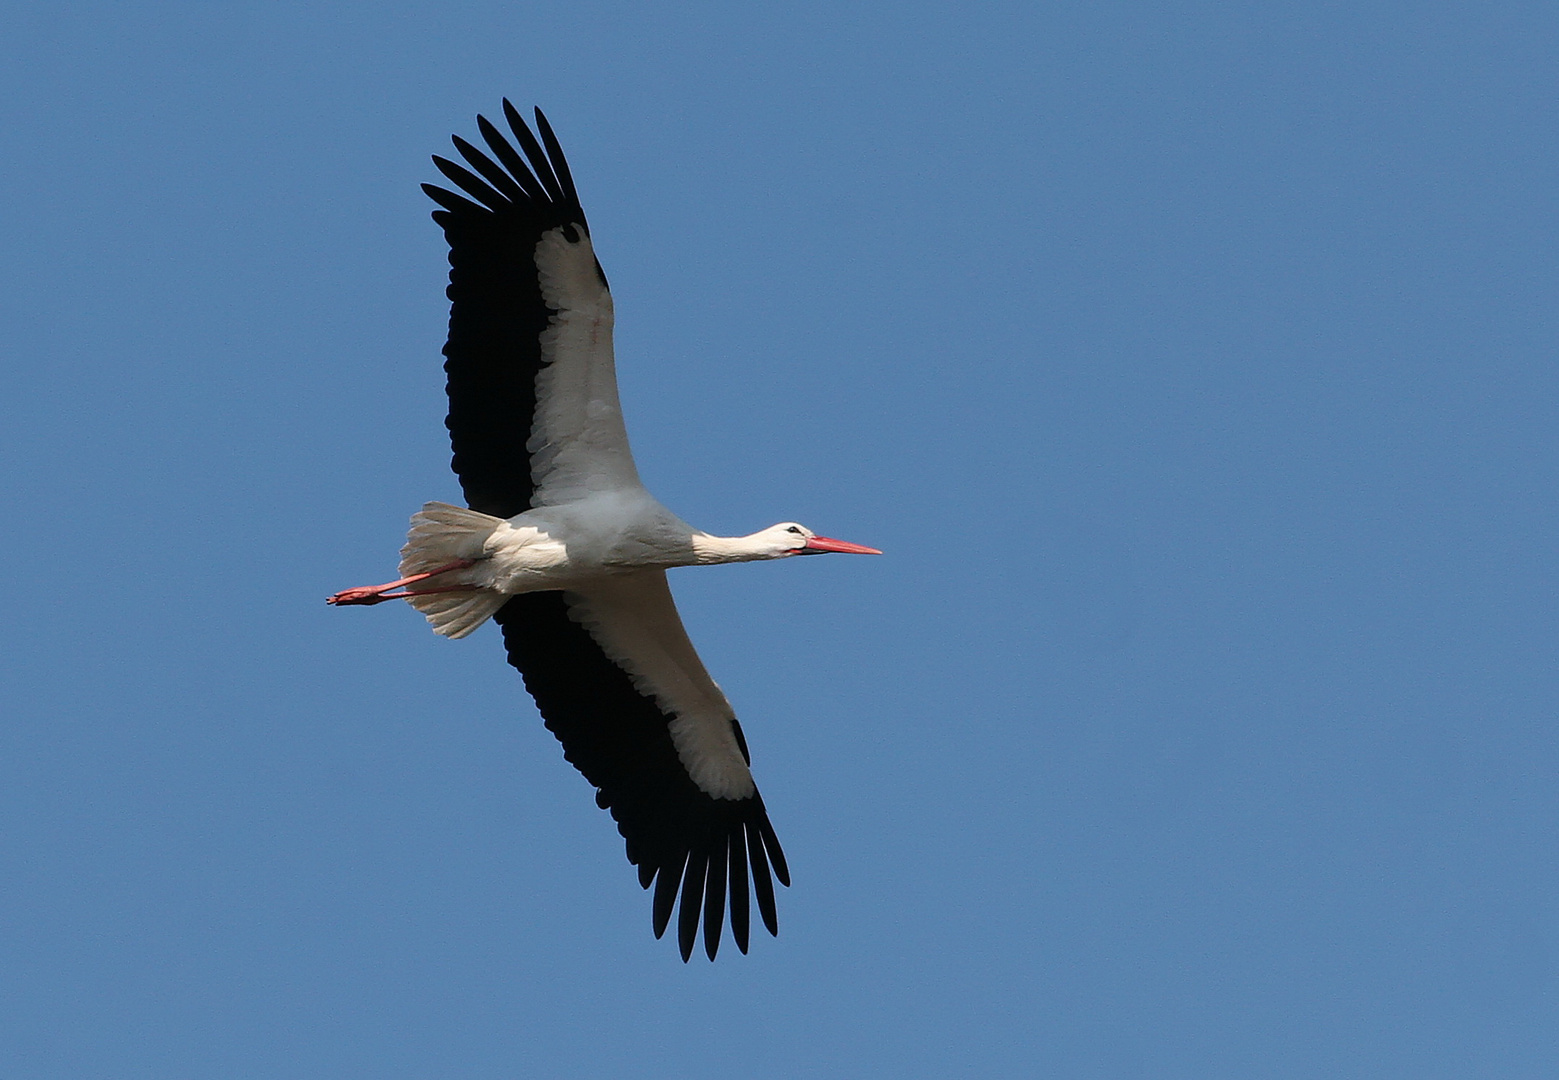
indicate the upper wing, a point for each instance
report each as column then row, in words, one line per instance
column 617, row 681
column 533, row 410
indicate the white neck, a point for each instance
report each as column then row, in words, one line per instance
column 725, row 549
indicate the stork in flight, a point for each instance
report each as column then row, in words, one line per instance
column 566, row 551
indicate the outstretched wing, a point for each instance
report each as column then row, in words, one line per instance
column 618, row 682
column 534, row 417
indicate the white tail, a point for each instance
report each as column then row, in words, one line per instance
column 441, row 534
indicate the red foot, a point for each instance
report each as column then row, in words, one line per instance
column 363, row 594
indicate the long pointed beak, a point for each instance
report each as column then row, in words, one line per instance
column 823, row 543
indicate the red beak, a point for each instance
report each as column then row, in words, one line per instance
column 823, row 543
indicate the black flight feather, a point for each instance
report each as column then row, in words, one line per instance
column 495, row 176
column 511, row 160
column 739, row 887
column 762, row 886
column 472, row 185
column 692, row 901
column 714, row 894
column 538, row 157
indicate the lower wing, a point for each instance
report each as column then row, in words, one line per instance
column 618, row 682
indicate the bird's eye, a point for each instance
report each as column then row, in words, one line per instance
column 795, row 529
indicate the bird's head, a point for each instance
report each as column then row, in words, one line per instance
column 788, row 538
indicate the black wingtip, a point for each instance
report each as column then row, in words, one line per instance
column 670, row 875
column 714, row 898
column 738, row 887
column 501, row 181
column 511, row 159
column 762, row 884
column 539, row 163
column 451, row 202
column 555, row 153
column 692, row 902
column 776, row 856
column 471, row 184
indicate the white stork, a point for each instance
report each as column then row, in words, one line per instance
column 564, row 548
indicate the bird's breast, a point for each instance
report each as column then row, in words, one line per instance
column 559, row 547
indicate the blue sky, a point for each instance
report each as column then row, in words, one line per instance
column 1194, row 364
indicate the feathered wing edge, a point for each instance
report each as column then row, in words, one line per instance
column 502, row 205
column 681, row 840
column 539, row 182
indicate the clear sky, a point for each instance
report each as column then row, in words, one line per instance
column 1194, row 364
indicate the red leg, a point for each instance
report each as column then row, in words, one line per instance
column 425, row 592
column 375, row 594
